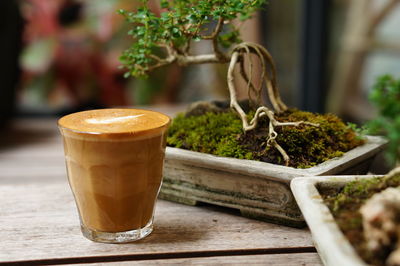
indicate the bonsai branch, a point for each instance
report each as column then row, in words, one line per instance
column 214, row 37
column 183, row 58
column 200, row 59
column 216, row 31
column 160, row 62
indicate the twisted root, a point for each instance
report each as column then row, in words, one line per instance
column 268, row 77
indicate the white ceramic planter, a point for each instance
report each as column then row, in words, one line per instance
column 333, row 247
column 259, row 190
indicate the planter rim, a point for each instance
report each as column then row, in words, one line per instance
column 373, row 145
column 332, row 246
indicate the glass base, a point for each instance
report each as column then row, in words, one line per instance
column 117, row 237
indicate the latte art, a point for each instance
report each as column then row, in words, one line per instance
column 111, row 120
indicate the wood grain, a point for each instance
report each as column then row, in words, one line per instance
column 304, row 259
column 39, row 221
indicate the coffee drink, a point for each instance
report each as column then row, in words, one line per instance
column 114, row 162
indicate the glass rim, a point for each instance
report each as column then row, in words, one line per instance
column 117, row 134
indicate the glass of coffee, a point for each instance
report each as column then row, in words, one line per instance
column 114, row 161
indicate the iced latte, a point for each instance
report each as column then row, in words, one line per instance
column 114, row 162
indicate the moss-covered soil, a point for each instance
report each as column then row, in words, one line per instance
column 220, row 133
column 345, row 204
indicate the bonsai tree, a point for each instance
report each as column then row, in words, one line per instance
column 165, row 39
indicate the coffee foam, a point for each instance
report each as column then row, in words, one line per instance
column 111, row 120
column 115, row 123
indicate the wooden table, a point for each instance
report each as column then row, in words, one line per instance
column 39, row 222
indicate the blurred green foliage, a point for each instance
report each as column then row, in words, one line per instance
column 385, row 96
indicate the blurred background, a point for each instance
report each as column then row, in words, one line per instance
column 61, row 56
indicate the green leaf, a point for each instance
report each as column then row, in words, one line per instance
column 164, row 4
column 180, row 22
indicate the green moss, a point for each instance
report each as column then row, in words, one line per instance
column 357, row 192
column 345, row 206
column 213, row 133
column 306, row 145
column 221, row 134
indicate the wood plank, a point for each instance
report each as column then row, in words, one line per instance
column 39, row 149
column 35, row 162
column 39, row 221
column 305, row 259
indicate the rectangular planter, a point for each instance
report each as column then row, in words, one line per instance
column 259, row 190
column 333, row 247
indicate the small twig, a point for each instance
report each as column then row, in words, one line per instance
column 216, row 30
column 285, row 156
column 296, row 124
column 250, row 67
column 160, row 64
column 243, row 73
column 263, row 72
column 250, row 86
column 214, row 38
column 189, row 42
column 158, row 59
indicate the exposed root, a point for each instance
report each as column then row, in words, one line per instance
column 250, row 85
column 282, row 151
column 262, row 111
column 269, row 78
column 268, row 71
column 380, row 218
column 395, row 171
